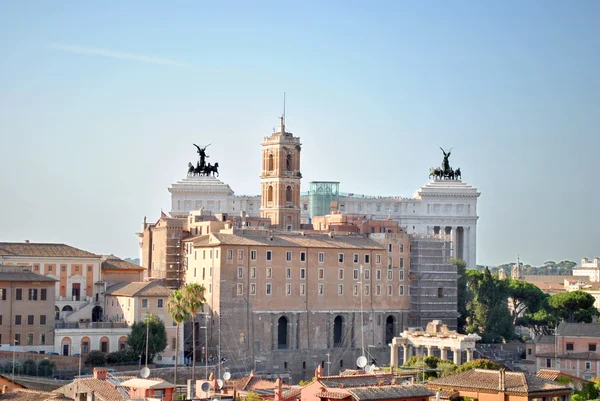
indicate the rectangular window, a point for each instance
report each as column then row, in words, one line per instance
column 240, row 289
column 355, row 290
column 401, row 290
column 401, row 262
column 378, row 290
column 588, row 365
column 104, row 346
column 19, row 294
column 340, row 289
column 401, row 273
column 268, row 289
column 253, row 272
column 302, row 256
column 63, row 268
column 29, row 338
column 203, row 273
column 32, row 294
column 144, row 303
column 341, row 258
column 252, row 255
column 252, row 289
column 390, row 274
column 229, row 254
column 173, row 342
column 43, row 294
column 440, row 292
column 321, row 289
column 42, row 320
column 340, row 274
column 378, row 259
column 389, row 247
column 367, row 274
column 378, row 274
column 18, row 338
column 240, row 254
column 30, row 320
column 160, row 303
column 269, row 255
column 303, row 274
column 49, row 268
column 3, row 294
column 0, row 323
column 592, row 347
column 321, row 257
column 43, row 339
column 288, row 273
column 355, row 258
column 240, row 272
column 321, row 274
column 367, row 289
column 390, row 262
column 569, row 346
column 528, row 351
column 367, row 258
column 390, row 290
column 288, row 289
column 302, row 289
column 17, row 320
column 401, row 248
column 204, row 254
column 269, row 272
column 355, row 274
column 288, row 256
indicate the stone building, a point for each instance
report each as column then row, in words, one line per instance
column 588, row 269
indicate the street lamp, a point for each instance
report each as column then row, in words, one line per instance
column 14, row 355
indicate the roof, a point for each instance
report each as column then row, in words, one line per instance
column 290, row 240
column 147, row 384
column 590, row 356
column 333, row 395
column 551, row 374
column 483, row 379
column 32, row 249
column 114, row 263
column 102, row 388
column 356, row 381
column 391, row 392
column 545, row 339
column 291, row 393
column 136, row 289
column 578, row 329
column 19, row 274
column 32, row 395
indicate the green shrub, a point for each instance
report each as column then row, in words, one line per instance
column 95, row 358
column 45, row 367
column 30, row 367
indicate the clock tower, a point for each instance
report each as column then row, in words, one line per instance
column 280, row 179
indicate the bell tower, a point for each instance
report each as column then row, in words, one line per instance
column 280, row 179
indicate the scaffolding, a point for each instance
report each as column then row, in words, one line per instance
column 434, row 281
column 322, row 196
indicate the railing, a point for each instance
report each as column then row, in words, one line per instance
column 90, row 325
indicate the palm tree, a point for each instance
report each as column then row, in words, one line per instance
column 177, row 309
column 193, row 295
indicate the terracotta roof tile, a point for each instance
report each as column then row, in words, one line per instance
column 552, row 375
column 590, row 356
column 42, row 250
column 391, row 392
column 579, row 329
column 18, row 274
column 113, row 263
column 139, row 288
column 356, row 381
column 32, row 395
column 295, row 240
column 333, row 395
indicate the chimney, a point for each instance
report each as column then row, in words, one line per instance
column 278, row 392
column 26, row 241
column 100, row 373
column 502, row 379
column 318, row 372
column 4, row 389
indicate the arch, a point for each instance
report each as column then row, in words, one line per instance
column 288, row 193
column 97, row 313
column 67, row 308
column 122, row 343
column 288, row 162
column 270, row 193
column 270, row 162
column 84, row 346
column 105, row 344
column 282, row 324
column 338, row 324
column 65, row 346
column 390, row 322
column 56, row 312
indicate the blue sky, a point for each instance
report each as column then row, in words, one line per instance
column 100, row 103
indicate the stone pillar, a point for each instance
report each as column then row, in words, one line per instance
column 457, row 352
column 430, row 350
column 405, row 349
column 469, row 354
column 394, row 354
column 419, row 350
column 443, row 353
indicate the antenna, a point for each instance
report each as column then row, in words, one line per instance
column 284, row 107
column 145, row 372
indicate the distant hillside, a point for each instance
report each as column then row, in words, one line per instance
column 134, row 261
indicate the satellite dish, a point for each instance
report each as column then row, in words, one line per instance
column 361, row 362
column 226, row 376
column 145, row 372
column 205, row 386
column 368, row 368
column 220, row 383
column 374, row 367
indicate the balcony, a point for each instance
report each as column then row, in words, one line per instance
column 90, row 325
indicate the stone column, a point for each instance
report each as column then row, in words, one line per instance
column 443, row 353
column 430, row 350
column 469, row 354
column 394, row 354
column 457, row 352
column 405, row 349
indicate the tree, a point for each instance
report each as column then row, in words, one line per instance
column 177, row 309
column 157, row 339
column 45, row 367
column 525, row 296
column 29, row 367
column 252, row 396
column 95, row 358
column 462, row 293
column 574, row 306
column 478, row 364
column 193, row 295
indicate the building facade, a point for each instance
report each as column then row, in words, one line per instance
column 589, row 269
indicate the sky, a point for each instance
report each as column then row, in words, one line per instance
column 100, row 104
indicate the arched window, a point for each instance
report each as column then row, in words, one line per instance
column 389, row 329
column 288, row 194
column 288, row 162
column 66, row 346
column 271, row 163
column 67, row 308
column 85, row 345
column 104, row 344
column 282, row 332
column 337, row 331
column 97, row 314
column 270, row 194
column 56, row 312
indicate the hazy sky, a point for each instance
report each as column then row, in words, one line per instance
column 100, row 104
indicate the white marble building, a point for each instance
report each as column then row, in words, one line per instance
column 589, row 268
column 438, row 207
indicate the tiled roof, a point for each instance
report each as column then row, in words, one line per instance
column 482, row 379
column 551, row 374
column 579, row 329
column 590, row 356
column 102, row 389
column 136, row 289
column 18, row 274
column 355, row 381
column 32, row 395
column 333, row 395
column 545, row 339
column 293, row 240
column 42, row 250
column 390, row 392
column 113, row 263
column 291, row 393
